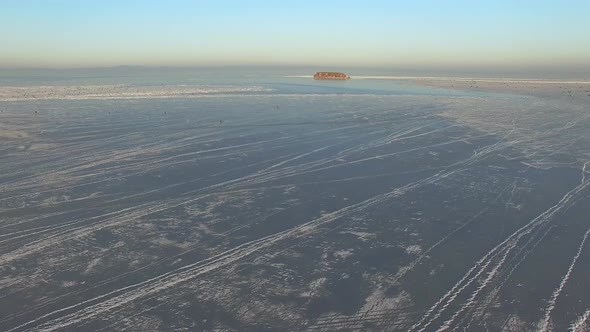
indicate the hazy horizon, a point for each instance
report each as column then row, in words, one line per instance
column 455, row 36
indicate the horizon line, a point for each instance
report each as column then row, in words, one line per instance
column 484, row 67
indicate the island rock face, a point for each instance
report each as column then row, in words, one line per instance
column 326, row 75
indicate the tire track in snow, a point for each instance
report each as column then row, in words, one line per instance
column 505, row 247
column 553, row 300
column 581, row 324
column 189, row 272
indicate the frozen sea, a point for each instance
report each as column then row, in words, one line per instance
column 260, row 201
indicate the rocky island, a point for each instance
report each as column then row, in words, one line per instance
column 325, row 75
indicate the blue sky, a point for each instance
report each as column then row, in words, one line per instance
column 422, row 33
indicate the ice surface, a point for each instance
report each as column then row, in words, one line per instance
column 261, row 209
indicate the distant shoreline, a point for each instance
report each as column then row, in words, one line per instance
column 442, row 78
column 89, row 92
column 572, row 90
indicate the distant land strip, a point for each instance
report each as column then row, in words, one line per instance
column 80, row 92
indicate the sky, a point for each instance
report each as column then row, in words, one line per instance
column 403, row 34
